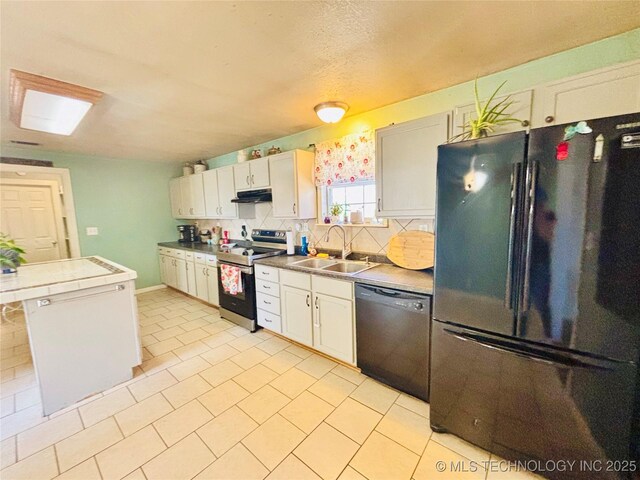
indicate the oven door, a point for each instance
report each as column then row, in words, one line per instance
column 243, row 304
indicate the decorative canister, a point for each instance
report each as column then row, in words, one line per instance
column 242, row 156
column 199, row 167
column 187, row 169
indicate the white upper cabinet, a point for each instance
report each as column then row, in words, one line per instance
column 211, row 194
column 176, row 197
column 226, row 192
column 293, row 190
column 406, row 160
column 252, row 174
column 603, row 93
column 520, row 108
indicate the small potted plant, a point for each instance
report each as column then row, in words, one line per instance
column 336, row 213
column 10, row 254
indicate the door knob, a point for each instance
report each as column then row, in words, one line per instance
column 54, row 242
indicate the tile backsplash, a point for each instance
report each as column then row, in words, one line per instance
column 363, row 239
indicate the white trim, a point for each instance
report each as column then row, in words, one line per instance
column 150, row 289
column 64, row 179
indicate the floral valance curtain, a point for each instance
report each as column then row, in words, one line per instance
column 345, row 160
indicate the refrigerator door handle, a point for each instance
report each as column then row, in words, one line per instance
column 528, row 354
column 515, row 180
column 531, row 204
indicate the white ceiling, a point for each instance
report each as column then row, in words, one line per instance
column 190, row 80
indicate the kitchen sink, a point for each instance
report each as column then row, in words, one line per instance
column 316, row 263
column 349, row 268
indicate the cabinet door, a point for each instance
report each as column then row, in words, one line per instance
column 170, row 271
column 211, row 197
column 202, row 287
column 186, row 197
column 284, row 186
column 176, row 198
column 212, row 285
column 406, row 159
column 197, row 195
column 296, row 314
column 520, row 109
column 162, row 259
column 242, row 176
column 181, row 282
column 190, row 268
column 226, row 192
column 604, row 93
column 260, row 173
column 333, row 327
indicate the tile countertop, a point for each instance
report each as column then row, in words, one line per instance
column 35, row 280
column 382, row 275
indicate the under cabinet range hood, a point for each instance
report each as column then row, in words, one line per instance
column 253, row 196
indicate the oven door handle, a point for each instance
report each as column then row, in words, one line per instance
column 246, row 270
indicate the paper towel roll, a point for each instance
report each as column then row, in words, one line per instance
column 290, row 247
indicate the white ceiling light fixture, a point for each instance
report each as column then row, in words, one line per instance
column 48, row 105
column 331, row 112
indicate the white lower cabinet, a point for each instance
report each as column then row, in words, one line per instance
column 333, row 326
column 320, row 315
column 182, row 282
column 192, row 273
column 202, row 282
column 297, row 314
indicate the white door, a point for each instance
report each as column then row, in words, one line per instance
column 520, row 108
column 296, row 314
column 608, row 92
column 202, row 287
column 260, row 173
column 176, row 198
column 186, row 197
column 29, row 218
column 211, row 198
column 333, row 326
column 190, row 268
column 283, row 185
column 406, row 160
column 197, row 195
column 182, row 282
column 242, row 176
column 226, row 192
column 212, row 285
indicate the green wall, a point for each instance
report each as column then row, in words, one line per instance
column 617, row 49
column 127, row 200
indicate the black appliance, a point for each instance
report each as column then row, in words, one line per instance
column 254, row 196
column 187, row 233
column 241, row 308
column 536, row 329
column 392, row 337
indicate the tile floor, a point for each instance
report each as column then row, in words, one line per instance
column 212, row 401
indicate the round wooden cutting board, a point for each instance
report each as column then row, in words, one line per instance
column 412, row 249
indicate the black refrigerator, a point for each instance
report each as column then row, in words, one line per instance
column 536, row 329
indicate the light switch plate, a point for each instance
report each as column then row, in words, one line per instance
column 91, row 231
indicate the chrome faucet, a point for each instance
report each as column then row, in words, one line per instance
column 345, row 250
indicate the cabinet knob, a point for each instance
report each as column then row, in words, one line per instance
column 525, row 123
column 308, row 298
column 549, row 119
column 253, row 179
column 294, row 208
column 379, row 205
column 248, row 183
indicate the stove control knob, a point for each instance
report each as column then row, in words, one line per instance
column 418, row 306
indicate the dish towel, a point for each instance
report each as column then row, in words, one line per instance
column 231, row 278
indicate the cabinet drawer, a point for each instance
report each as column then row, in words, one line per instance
column 211, row 260
column 189, row 256
column 269, row 288
column 295, row 279
column 199, row 257
column 176, row 253
column 163, row 251
column 268, row 303
column 269, row 274
column 335, row 288
column 269, row 321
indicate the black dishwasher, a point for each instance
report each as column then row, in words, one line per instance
column 392, row 333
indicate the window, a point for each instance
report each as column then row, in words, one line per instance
column 353, row 197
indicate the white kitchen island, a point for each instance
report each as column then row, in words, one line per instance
column 82, row 321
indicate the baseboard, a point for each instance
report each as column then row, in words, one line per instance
column 150, row 289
